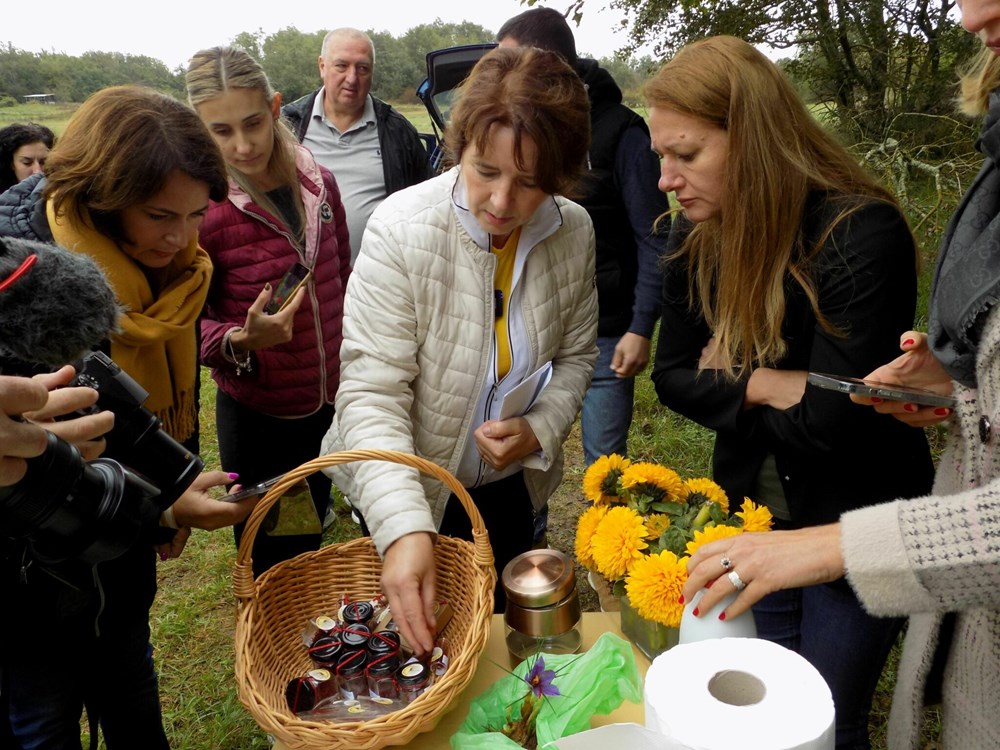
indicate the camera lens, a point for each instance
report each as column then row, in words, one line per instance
column 70, row 509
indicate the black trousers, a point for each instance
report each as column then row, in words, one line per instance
column 257, row 447
column 507, row 512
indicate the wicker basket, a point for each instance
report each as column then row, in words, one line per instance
column 273, row 610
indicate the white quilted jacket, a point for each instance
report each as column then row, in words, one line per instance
column 416, row 362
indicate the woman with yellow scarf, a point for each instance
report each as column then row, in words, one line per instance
column 128, row 185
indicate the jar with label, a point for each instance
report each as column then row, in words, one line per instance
column 355, row 637
column 325, row 651
column 317, row 628
column 543, row 609
column 382, row 677
column 413, row 679
column 357, row 613
column 305, row 693
column 382, row 643
column 351, row 674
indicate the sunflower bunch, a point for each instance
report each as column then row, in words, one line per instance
column 644, row 521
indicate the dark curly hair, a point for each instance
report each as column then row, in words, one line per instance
column 12, row 138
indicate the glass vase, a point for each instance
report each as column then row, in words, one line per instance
column 649, row 636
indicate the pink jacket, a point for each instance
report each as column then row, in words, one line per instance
column 249, row 248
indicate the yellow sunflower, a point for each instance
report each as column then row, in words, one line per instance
column 656, row 524
column 618, row 541
column 755, row 517
column 654, row 480
column 710, row 534
column 708, row 490
column 585, row 528
column 600, row 481
column 654, row 587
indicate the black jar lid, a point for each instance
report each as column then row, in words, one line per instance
column 383, row 642
column 412, row 673
column 383, row 666
column 355, row 637
column 325, row 649
column 352, row 663
column 357, row 613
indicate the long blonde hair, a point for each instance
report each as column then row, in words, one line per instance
column 212, row 72
column 978, row 81
column 738, row 261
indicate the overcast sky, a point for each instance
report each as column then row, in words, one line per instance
column 173, row 30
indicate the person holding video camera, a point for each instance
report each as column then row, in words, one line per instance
column 271, row 330
column 126, row 187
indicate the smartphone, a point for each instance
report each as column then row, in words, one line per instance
column 290, row 283
column 257, row 489
column 887, row 391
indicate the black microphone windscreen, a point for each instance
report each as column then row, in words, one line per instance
column 61, row 307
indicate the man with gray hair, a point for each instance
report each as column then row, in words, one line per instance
column 371, row 148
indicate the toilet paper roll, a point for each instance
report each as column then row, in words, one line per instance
column 738, row 693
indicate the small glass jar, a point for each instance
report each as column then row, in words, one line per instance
column 439, row 658
column 305, row 693
column 543, row 609
column 357, row 613
column 319, row 627
column 381, row 673
column 351, row 674
column 355, row 637
column 413, row 679
column 325, row 651
column 382, row 643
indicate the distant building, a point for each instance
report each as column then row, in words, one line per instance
column 40, row 98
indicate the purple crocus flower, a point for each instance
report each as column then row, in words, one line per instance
column 540, row 679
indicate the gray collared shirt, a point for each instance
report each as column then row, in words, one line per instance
column 355, row 159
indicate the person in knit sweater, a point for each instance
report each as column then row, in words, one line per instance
column 934, row 558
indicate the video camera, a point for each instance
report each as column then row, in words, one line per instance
column 68, row 508
column 64, row 507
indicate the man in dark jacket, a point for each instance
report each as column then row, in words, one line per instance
column 371, row 149
column 621, row 195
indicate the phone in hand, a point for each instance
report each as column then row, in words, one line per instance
column 257, row 489
column 875, row 389
column 290, row 283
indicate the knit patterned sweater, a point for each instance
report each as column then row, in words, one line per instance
column 928, row 556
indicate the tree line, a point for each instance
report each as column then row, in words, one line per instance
column 289, row 56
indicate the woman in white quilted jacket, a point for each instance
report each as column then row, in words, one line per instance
column 467, row 286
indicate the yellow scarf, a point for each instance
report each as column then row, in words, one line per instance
column 156, row 344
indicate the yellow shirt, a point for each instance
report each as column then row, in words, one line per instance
column 502, row 278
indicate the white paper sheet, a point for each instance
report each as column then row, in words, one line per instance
column 520, row 398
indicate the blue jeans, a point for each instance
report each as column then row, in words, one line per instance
column 607, row 407
column 113, row 675
column 828, row 626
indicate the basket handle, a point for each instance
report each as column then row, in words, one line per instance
column 243, row 583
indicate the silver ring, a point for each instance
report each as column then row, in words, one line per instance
column 726, row 563
column 734, row 578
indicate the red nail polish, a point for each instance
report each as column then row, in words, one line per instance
column 681, row 600
column 695, row 612
column 909, row 342
column 722, row 616
column 876, row 400
column 942, row 411
column 910, row 407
